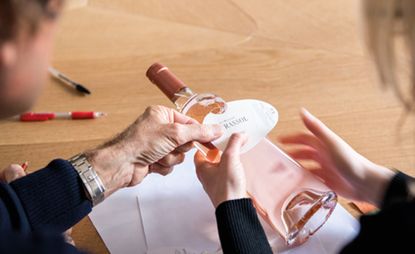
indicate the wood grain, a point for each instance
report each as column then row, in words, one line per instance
column 289, row 53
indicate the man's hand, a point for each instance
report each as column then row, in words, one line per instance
column 155, row 142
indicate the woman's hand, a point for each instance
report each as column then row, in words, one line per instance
column 155, row 142
column 223, row 180
column 343, row 169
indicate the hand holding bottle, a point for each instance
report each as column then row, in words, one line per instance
column 343, row 169
column 225, row 179
column 155, row 142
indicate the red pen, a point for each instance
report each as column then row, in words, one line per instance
column 33, row 117
column 25, row 165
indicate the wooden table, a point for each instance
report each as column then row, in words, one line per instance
column 290, row 53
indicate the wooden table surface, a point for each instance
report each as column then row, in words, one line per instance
column 289, row 53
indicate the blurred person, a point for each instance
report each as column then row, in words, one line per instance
column 391, row 229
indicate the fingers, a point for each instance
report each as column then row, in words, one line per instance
column 306, row 153
column 169, row 115
column 182, row 134
column 185, row 148
column 233, row 149
column 318, row 172
column 172, row 159
column 203, row 133
column 203, row 166
column 159, row 169
column 201, row 161
column 13, row 172
column 302, row 139
column 182, row 118
column 319, row 129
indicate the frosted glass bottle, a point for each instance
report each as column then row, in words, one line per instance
column 291, row 201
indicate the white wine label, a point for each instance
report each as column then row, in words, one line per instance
column 255, row 118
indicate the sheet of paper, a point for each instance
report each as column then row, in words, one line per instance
column 192, row 228
column 119, row 222
column 340, row 229
column 176, row 212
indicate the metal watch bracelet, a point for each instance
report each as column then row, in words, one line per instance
column 89, row 177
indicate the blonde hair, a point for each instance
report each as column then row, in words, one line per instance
column 388, row 22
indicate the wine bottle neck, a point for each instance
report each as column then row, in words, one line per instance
column 182, row 97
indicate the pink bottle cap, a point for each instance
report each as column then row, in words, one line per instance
column 165, row 80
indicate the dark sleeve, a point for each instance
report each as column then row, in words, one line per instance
column 44, row 242
column 35, row 209
column 391, row 230
column 52, row 197
column 239, row 228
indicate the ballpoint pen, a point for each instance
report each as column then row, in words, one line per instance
column 33, row 117
column 66, row 80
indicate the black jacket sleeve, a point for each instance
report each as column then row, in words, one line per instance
column 35, row 209
column 391, row 230
column 41, row 242
column 239, row 228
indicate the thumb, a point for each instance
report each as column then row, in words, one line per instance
column 233, row 149
column 199, row 132
column 200, row 160
column 202, row 165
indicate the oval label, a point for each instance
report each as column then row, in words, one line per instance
column 255, row 118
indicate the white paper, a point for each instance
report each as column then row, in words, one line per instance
column 176, row 211
column 255, row 118
column 175, row 233
column 340, row 229
column 120, row 224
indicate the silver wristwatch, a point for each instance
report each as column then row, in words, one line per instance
column 89, row 177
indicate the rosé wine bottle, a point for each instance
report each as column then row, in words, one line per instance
column 284, row 194
column 187, row 102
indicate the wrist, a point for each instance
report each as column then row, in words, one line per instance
column 93, row 186
column 228, row 196
column 111, row 166
column 376, row 183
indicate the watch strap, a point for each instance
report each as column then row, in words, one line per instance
column 93, row 184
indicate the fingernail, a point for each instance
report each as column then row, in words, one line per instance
column 307, row 113
column 217, row 129
column 240, row 136
column 244, row 137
